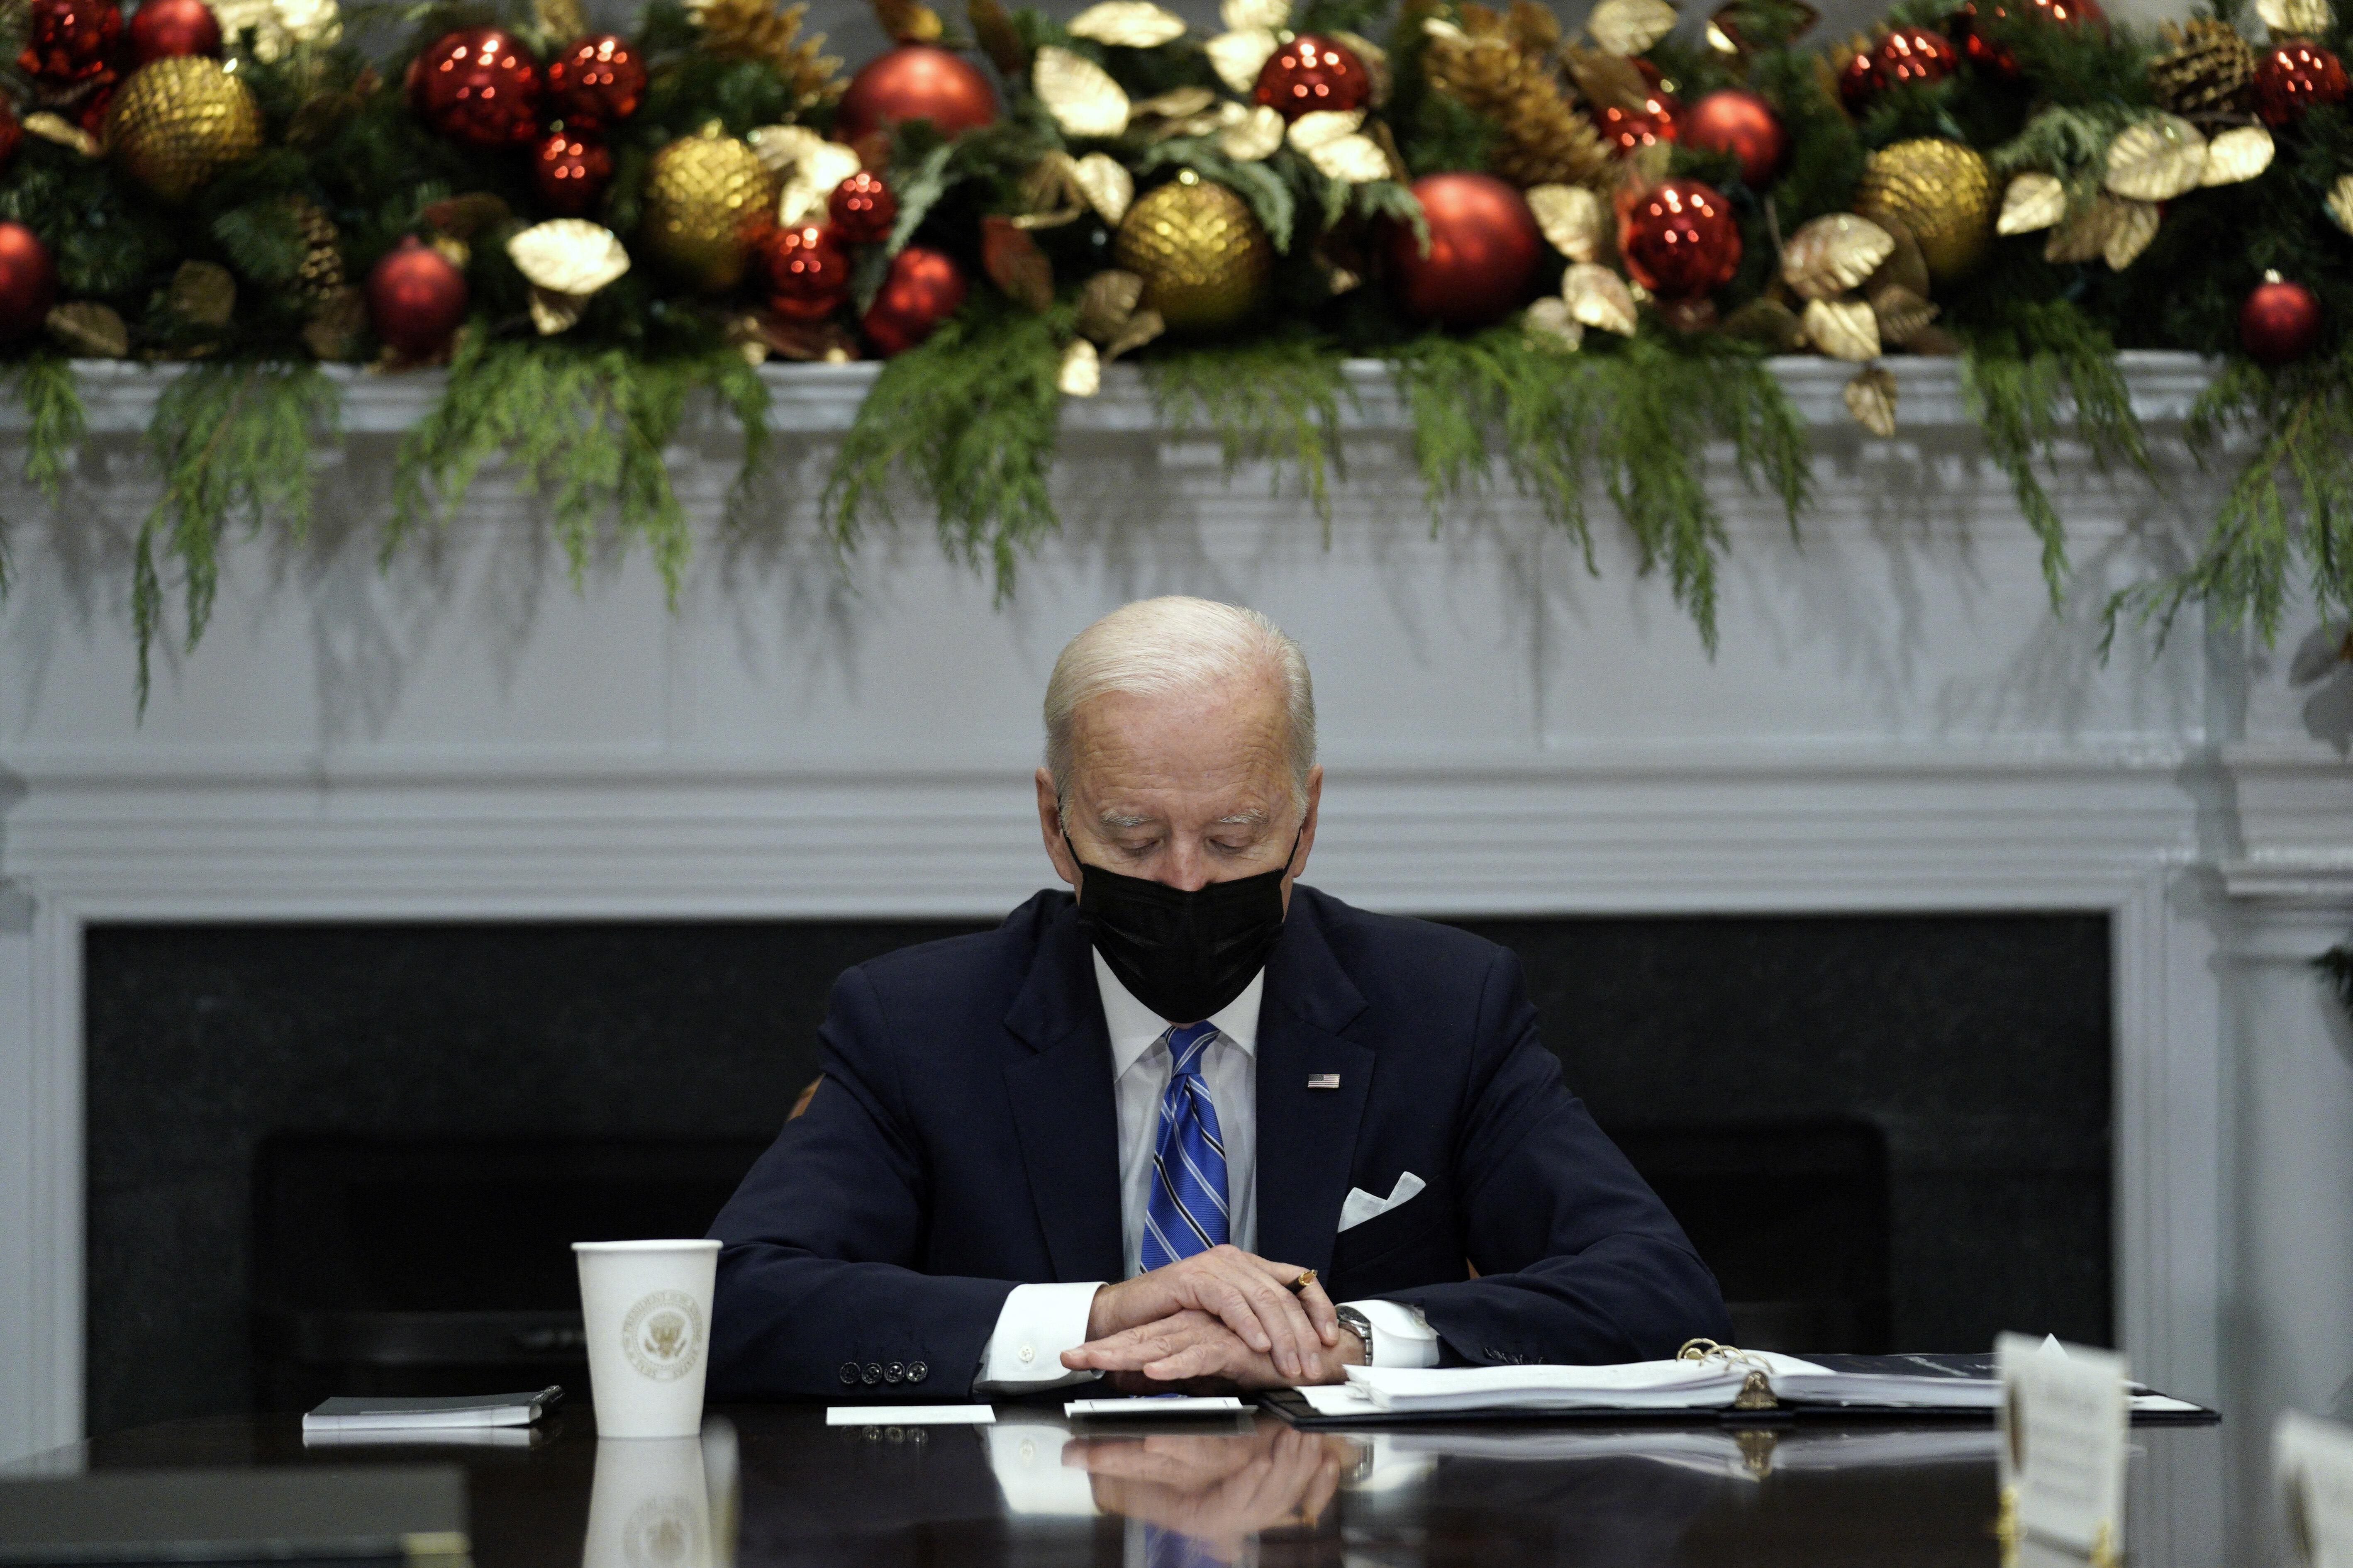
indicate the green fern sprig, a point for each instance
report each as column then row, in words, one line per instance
column 1274, row 401
column 44, row 387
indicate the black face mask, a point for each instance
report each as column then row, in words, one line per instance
column 1183, row 954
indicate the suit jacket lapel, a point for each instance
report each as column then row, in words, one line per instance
column 1306, row 1137
column 1064, row 1109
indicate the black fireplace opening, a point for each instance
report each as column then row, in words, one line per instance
column 349, row 1159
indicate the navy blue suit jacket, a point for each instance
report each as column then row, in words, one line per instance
column 964, row 1140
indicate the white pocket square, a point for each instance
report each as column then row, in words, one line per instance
column 1362, row 1205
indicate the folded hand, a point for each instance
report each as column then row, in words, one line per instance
column 1191, row 1348
column 1245, row 1292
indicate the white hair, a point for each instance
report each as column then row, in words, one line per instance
column 1160, row 646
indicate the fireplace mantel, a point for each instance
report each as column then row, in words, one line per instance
column 1897, row 719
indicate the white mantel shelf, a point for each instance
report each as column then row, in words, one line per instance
column 820, row 398
column 1896, row 721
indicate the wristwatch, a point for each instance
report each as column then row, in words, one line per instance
column 1358, row 1324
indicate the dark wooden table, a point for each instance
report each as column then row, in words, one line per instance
column 1038, row 1488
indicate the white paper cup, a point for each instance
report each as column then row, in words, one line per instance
column 650, row 1507
column 646, row 1306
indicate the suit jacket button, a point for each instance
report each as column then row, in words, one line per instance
column 895, row 1371
column 850, row 1371
column 873, row 1373
column 917, row 1371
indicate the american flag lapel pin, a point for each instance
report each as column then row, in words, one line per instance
column 1322, row 1080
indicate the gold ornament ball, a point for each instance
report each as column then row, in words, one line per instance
column 179, row 121
column 1203, row 258
column 708, row 199
column 1942, row 191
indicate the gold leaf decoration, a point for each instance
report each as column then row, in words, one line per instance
column 1127, row 23
column 553, row 313
column 88, row 329
column 1550, row 323
column 1238, row 55
column 1842, row 329
column 1572, row 220
column 560, row 18
column 1255, row 134
column 1106, row 302
column 1871, row 398
column 569, row 255
column 1141, row 329
column 1630, row 26
column 908, row 21
column 1902, row 313
column 1598, row 298
column 1079, row 93
column 2032, row 202
column 2156, row 160
column 1255, row 16
column 1177, row 104
column 2298, row 18
column 57, row 127
column 1000, row 39
column 2085, row 233
column 1354, row 160
column 1767, row 320
column 1104, row 181
column 2129, row 234
column 762, row 30
column 1832, row 254
column 1082, row 372
column 203, row 292
column 1312, row 129
column 2340, row 203
column 2239, row 154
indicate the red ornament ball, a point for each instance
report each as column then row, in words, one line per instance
column 808, row 271
column 915, row 81
column 924, row 289
column 161, row 29
column 569, row 171
column 2279, row 322
column 480, row 87
column 1906, row 57
column 1967, row 27
column 70, row 41
column 596, row 83
column 28, row 281
column 416, row 298
column 863, row 209
column 1678, row 238
column 1484, row 249
column 2293, row 76
column 1310, row 73
column 1740, row 123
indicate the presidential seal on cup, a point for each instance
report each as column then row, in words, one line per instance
column 645, row 1307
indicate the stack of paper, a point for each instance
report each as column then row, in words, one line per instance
column 400, row 1415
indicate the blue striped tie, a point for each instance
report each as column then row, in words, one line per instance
column 1186, row 1213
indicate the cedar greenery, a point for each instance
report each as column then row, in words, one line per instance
column 584, row 428
column 1275, row 401
column 1633, row 415
column 234, row 442
column 970, row 417
column 44, row 387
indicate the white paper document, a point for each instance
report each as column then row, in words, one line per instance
column 910, row 1415
column 2312, row 1460
column 2064, row 1422
column 1151, row 1404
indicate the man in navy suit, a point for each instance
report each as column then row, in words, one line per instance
column 1157, row 1131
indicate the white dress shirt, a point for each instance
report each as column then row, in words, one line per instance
column 1038, row 1322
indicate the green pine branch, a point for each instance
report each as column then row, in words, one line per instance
column 1275, row 401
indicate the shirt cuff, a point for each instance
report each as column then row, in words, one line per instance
column 1401, row 1336
column 1036, row 1324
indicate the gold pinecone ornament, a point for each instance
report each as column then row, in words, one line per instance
column 1497, row 64
column 2209, row 69
column 763, row 31
column 708, row 200
column 1204, row 260
column 178, row 122
column 1942, row 193
column 322, row 273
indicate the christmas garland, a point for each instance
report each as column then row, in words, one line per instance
column 1575, row 253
